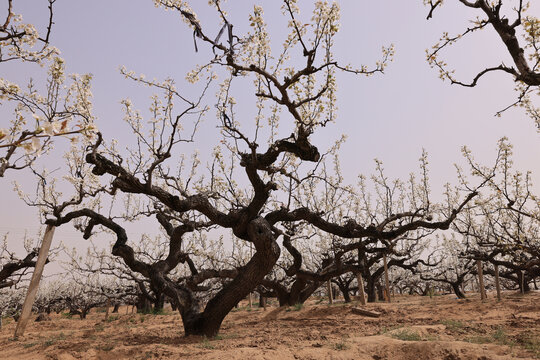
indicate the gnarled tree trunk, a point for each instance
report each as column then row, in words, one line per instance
column 457, row 290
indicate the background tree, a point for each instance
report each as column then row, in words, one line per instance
column 502, row 229
column 11, row 300
column 14, row 268
column 452, row 268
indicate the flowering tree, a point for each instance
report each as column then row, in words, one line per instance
column 11, row 301
column 205, row 255
column 502, row 229
column 520, row 34
column 15, row 268
column 318, row 256
column 452, row 268
column 12, row 269
column 62, row 110
column 253, row 176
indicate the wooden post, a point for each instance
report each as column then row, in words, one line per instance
column 497, row 283
column 386, row 281
column 107, row 310
column 481, row 280
column 251, row 255
column 34, row 282
column 329, row 289
column 522, row 280
column 361, row 289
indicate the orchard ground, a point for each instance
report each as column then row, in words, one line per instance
column 411, row 327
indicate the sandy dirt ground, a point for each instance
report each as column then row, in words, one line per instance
column 415, row 328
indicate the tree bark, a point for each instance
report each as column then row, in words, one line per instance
column 386, row 281
column 346, row 295
column 262, row 301
column 107, row 309
column 300, row 291
column 380, row 292
column 329, row 291
column 523, row 285
column 143, row 304
column 267, row 251
column 457, row 290
column 497, row 283
column 482, row 289
column 159, row 303
column 371, row 289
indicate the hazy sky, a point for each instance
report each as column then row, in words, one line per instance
column 390, row 117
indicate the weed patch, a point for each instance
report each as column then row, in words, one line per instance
column 206, row 344
column 295, row 307
column 530, row 343
column 453, row 325
column 112, row 318
column 407, row 335
column 340, row 346
column 67, row 315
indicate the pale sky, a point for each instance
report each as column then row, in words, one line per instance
column 390, row 117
